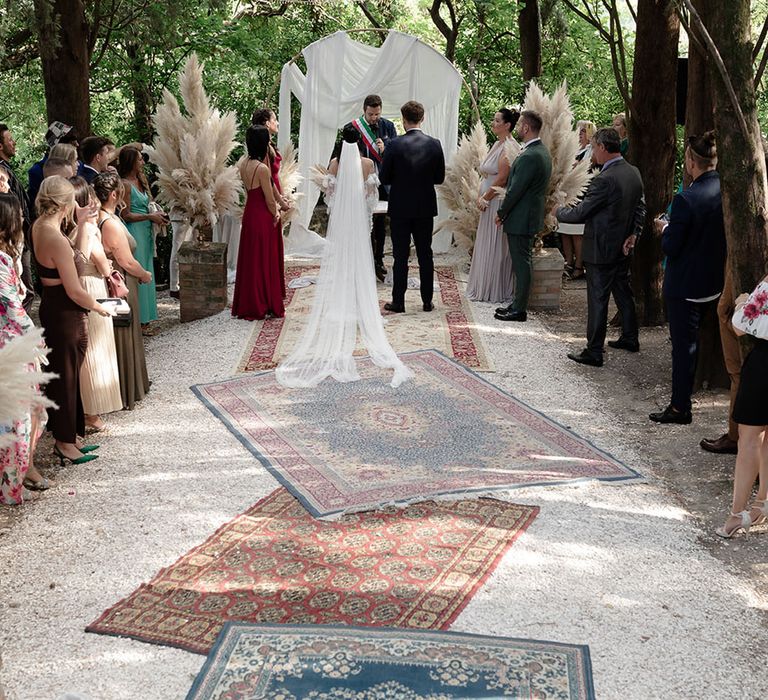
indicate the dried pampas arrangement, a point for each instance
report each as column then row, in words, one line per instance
column 20, row 392
column 290, row 179
column 460, row 189
column 568, row 182
column 191, row 151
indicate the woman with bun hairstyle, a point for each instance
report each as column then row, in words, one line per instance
column 694, row 242
column 490, row 275
column 120, row 246
column 63, row 310
column 99, row 378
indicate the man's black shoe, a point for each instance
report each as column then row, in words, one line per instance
column 586, row 358
column 511, row 315
column 505, row 309
column 670, row 415
column 621, row 344
column 174, row 294
column 381, row 272
column 394, row 308
column 428, row 306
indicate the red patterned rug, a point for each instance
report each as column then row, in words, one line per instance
column 414, row 568
column 450, row 328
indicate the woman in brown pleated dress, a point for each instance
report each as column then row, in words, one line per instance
column 63, row 310
column 119, row 246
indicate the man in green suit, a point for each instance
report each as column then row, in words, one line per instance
column 522, row 211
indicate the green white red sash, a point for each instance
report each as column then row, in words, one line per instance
column 368, row 139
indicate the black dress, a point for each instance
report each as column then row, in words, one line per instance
column 751, row 405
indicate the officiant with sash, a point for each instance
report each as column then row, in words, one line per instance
column 375, row 133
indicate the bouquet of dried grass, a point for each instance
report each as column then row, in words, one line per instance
column 191, row 151
column 568, row 182
column 461, row 186
column 290, row 178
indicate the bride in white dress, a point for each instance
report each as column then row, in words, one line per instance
column 346, row 300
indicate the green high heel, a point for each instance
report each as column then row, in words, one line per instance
column 63, row 459
column 85, row 449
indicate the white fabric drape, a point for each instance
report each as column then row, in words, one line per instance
column 340, row 73
column 346, row 299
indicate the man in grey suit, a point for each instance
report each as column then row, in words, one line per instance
column 613, row 210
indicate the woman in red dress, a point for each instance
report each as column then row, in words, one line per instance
column 260, row 283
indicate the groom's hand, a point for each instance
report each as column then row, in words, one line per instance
column 380, row 145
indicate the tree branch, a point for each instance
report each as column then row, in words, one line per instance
column 760, row 40
column 363, row 5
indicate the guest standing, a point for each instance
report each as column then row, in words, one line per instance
column 571, row 235
column 99, row 377
column 58, row 132
column 620, row 124
column 490, row 274
column 694, row 243
column 138, row 221
column 266, row 117
column 750, row 411
column 259, row 281
column 119, row 245
column 63, row 310
column 17, row 472
column 522, row 210
column 612, row 210
column 98, row 152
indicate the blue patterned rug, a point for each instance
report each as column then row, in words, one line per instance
column 295, row 662
column 356, row 446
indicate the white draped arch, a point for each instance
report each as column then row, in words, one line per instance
column 340, row 73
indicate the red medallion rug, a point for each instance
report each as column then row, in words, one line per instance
column 415, row 568
column 450, row 328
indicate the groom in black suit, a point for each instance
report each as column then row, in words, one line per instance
column 413, row 164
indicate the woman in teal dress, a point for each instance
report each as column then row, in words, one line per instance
column 139, row 220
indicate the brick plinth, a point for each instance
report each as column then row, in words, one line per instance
column 202, row 280
column 547, row 280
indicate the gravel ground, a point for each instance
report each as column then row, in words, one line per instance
column 620, row 568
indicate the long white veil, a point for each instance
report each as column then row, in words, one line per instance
column 345, row 295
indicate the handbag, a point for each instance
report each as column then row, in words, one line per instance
column 752, row 317
column 116, row 285
column 123, row 314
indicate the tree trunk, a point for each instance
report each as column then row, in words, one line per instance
column 63, row 37
column 652, row 141
column 529, row 24
column 142, row 95
column 710, row 367
column 741, row 158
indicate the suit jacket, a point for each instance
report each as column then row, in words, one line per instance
column 87, row 173
column 612, row 210
column 522, row 210
column 386, row 132
column 413, row 165
column 694, row 241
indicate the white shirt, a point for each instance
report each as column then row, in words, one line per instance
column 528, row 143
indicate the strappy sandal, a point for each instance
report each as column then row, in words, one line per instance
column 744, row 524
column 762, row 511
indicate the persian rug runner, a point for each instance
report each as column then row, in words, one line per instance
column 345, row 447
column 413, row 568
column 450, row 327
column 354, row 663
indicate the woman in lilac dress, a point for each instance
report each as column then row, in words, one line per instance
column 490, row 275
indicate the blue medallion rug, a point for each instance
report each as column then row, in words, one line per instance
column 296, row 662
column 346, row 447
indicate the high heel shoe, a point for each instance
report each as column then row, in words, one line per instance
column 63, row 459
column 762, row 509
column 745, row 524
column 85, row 449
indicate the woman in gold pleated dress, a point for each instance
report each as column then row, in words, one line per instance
column 119, row 246
column 99, row 377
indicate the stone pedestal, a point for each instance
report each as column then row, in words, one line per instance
column 202, row 280
column 547, row 283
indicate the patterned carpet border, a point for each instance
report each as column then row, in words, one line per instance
column 413, row 568
column 463, row 340
column 320, row 498
column 355, row 663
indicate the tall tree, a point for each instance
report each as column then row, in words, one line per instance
column 65, row 44
column 652, row 140
column 529, row 24
column 742, row 160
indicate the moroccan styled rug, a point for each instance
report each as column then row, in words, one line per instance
column 413, row 568
column 355, row 446
column 450, row 328
column 355, row 663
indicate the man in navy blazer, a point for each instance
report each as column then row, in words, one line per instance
column 694, row 243
column 413, row 164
